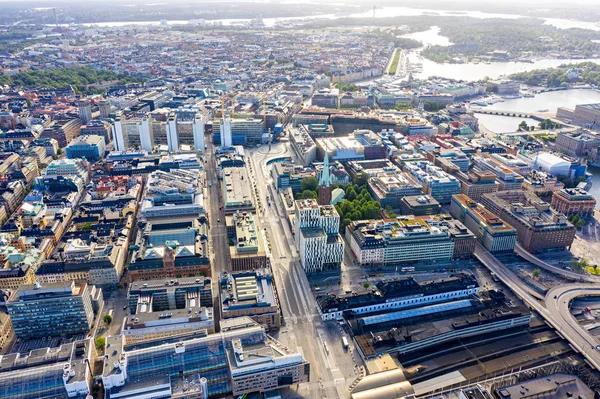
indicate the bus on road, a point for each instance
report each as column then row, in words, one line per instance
column 345, row 342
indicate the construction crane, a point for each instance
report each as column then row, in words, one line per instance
column 222, row 98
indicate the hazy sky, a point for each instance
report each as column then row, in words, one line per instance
column 594, row 4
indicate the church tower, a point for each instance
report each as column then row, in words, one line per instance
column 325, row 183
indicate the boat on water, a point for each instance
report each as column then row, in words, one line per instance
column 494, row 100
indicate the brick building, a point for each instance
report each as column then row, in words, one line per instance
column 573, row 200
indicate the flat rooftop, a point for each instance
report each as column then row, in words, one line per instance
column 595, row 107
column 248, row 237
column 386, row 331
column 307, row 204
column 396, row 289
column 236, row 187
column 168, row 284
column 554, row 386
column 482, row 214
column 251, row 358
column 313, row 232
column 29, row 292
column 247, row 290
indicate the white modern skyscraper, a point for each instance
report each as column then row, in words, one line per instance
column 118, row 135
column 172, row 138
column 226, row 139
column 198, row 131
column 146, row 134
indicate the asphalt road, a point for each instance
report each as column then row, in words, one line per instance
column 304, row 330
column 556, row 310
column 558, row 301
column 218, row 243
column 571, row 275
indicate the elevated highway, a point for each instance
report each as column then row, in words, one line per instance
column 568, row 274
column 555, row 306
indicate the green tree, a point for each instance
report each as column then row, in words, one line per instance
column 85, row 226
column 523, row 126
column 344, row 87
column 310, row 183
column 100, row 343
column 536, row 273
column 370, row 212
column 361, row 179
column 403, row 107
column 346, row 222
column 390, row 212
column 307, row 194
column 350, row 194
column 581, row 264
column 107, row 318
column 366, row 285
column 433, row 106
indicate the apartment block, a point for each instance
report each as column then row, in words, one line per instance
column 492, row 232
column 574, row 201
column 539, row 227
column 475, row 184
column 419, row 205
column 200, row 367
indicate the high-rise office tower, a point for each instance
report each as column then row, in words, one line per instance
column 85, row 110
column 172, row 139
column 104, row 107
column 146, row 133
column 198, row 131
column 118, row 135
column 226, row 140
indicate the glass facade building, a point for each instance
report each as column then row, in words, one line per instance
column 205, row 357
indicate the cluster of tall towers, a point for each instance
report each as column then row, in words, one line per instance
column 124, row 130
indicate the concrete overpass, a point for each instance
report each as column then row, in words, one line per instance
column 556, row 310
column 568, row 274
column 558, row 301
